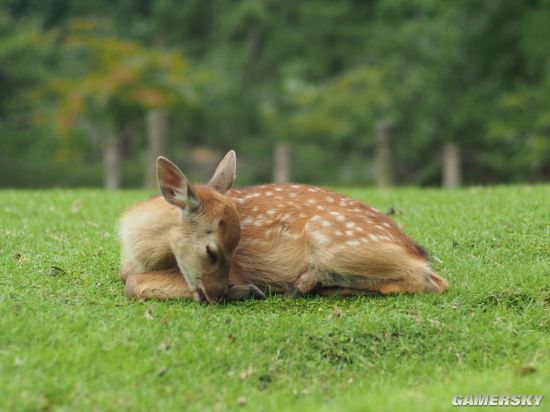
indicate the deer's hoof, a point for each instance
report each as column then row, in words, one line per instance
column 255, row 292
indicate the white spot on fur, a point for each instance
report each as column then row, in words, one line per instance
column 271, row 211
column 295, row 186
column 373, row 237
column 338, row 233
column 292, row 194
column 353, row 242
column 302, row 215
column 311, row 201
column 259, row 222
column 387, row 224
column 333, row 213
column 255, row 209
column 350, row 225
column 278, row 189
column 269, row 193
column 364, row 240
column 311, row 189
column 330, row 199
column 326, row 223
column 341, row 218
column 247, row 221
column 349, row 232
column 320, row 237
column 319, row 207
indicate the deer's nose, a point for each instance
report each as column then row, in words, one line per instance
column 208, row 297
column 214, row 295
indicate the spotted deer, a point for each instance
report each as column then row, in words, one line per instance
column 294, row 239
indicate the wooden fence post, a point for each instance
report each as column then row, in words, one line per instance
column 112, row 162
column 157, row 140
column 281, row 163
column 384, row 154
column 452, row 173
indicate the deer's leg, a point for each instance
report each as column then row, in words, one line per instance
column 414, row 280
column 171, row 284
column 167, row 284
column 126, row 268
column 418, row 281
column 243, row 292
column 239, row 289
column 308, row 282
column 386, row 268
column 316, row 281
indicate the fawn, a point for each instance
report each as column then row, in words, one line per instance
column 289, row 238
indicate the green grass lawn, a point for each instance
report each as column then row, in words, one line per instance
column 70, row 340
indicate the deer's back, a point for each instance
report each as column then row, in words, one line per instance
column 288, row 228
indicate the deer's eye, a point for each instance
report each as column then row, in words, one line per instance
column 212, row 255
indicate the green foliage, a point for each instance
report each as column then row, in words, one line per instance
column 320, row 73
column 26, row 148
column 23, row 50
column 520, row 131
column 107, row 81
column 71, row 340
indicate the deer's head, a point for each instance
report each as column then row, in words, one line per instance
column 205, row 241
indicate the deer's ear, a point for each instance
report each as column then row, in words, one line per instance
column 225, row 173
column 175, row 187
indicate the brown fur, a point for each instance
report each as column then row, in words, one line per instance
column 283, row 248
column 159, row 285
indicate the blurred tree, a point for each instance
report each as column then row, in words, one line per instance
column 25, row 52
column 108, row 79
column 317, row 77
column 519, row 128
